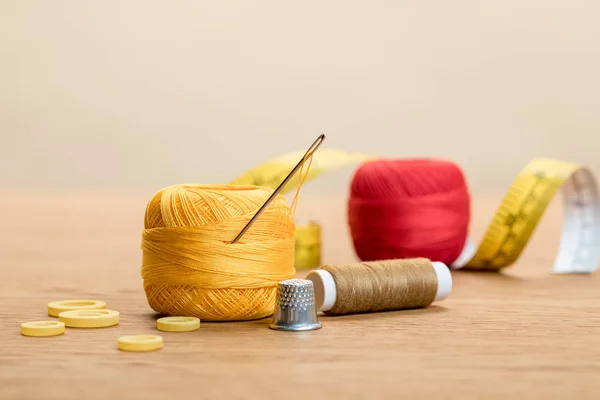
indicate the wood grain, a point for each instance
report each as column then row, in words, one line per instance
column 523, row 333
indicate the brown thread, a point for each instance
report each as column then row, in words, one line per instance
column 383, row 285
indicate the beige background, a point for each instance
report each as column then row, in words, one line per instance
column 137, row 95
column 129, row 96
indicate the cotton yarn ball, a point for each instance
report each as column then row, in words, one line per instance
column 191, row 268
column 409, row 208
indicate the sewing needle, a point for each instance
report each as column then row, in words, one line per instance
column 308, row 154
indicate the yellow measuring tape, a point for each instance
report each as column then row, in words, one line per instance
column 307, row 245
column 271, row 173
column 522, row 208
column 511, row 227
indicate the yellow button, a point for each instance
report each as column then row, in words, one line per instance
column 140, row 343
column 43, row 328
column 178, row 324
column 89, row 318
column 56, row 307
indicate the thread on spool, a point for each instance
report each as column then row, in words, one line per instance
column 400, row 209
column 190, row 267
column 380, row 286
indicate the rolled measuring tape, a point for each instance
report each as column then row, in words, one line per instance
column 515, row 219
column 522, row 208
column 307, row 245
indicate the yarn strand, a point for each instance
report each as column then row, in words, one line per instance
column 301, row 179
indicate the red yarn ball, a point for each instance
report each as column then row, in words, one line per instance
column 409, row 208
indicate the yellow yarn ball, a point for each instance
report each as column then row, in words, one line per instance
column 191, row 268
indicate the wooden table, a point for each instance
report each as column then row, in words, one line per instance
column 521, row 334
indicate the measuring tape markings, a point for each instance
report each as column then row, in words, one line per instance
column 582, row 216
column 522, row 208
column 512, row 225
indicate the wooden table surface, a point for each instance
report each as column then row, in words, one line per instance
column 524, row 333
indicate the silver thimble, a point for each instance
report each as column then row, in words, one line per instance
column 295, row 309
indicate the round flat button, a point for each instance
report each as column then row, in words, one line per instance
column 89, row 318
column 56, row 307
column 178, row 324
column 42, row 328
column 140, row 343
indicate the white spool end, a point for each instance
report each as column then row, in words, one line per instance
column 444, row 278
column 325, row 289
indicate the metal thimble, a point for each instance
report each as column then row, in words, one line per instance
column 295, row 308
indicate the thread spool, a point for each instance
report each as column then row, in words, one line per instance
column 190, row 267
column 411, row 208
column 380, row 286
column 307, row 245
